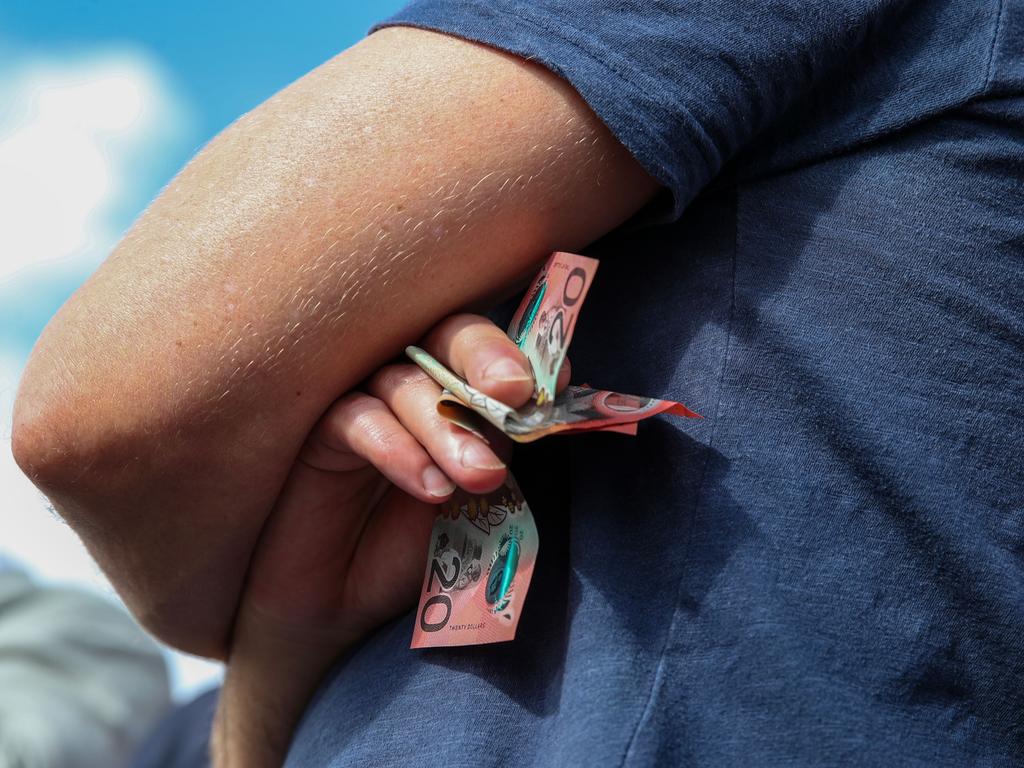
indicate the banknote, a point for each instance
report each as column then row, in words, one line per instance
column 482, row 552
column 575, row 409
column 483, row 548
column 544, row 323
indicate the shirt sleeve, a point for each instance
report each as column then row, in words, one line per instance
column 684, row 85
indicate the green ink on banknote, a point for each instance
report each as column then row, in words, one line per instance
column 522, row 328
column 458, row 606
column 503, row 570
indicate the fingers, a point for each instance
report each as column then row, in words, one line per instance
column 478, row 351
column 411, row 396
column 395, row 425
column 359, row 430
column 564, row 374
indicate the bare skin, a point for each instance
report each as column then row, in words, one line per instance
column 165, row 405
column 344, row 549
column 167, row 409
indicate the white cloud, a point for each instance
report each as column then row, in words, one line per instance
column 70, row 133
column 74, row 134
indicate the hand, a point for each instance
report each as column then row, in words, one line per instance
column 343, row 550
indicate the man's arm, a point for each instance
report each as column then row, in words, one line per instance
column 164, row 404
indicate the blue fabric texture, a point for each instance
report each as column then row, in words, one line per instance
column 828, row 568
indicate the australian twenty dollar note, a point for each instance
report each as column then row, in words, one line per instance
column 482, row 552
column 483, row 547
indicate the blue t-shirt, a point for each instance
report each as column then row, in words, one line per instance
column 829, row 568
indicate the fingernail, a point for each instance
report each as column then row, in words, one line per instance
column 505, row 370
column 475, row 456
column 436, row 483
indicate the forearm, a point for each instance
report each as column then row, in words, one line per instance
column 302, row 248
column 268, row 681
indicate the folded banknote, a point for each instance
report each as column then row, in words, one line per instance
column 483, row 547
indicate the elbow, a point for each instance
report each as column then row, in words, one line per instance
column 39, row 440
column 118, row 484
column 58, row 444
column 71, row 474
column 74, row 435
column 64, row 467
column 42, row 424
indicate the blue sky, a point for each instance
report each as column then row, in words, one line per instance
column 101, row 102
column 227, row 57
column 219, row 59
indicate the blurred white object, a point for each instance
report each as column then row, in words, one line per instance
column 77, row 134
column 72, row 131
column 80, row 683
column 51, row 552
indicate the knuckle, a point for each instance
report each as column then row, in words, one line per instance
column 362, row 422
column 398, row 377
column 454, row 324
column 386, row 443
column 454, row 332
column 349, row 407
column 348, row 411
column 479, row 328
column 380, row 440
